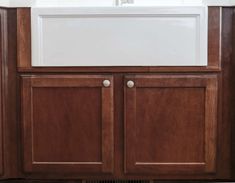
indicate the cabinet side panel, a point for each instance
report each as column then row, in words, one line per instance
column 8, row 94
column 232, row 85
column 2, row 55
column 226, row 104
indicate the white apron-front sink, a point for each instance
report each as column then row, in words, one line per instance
column 119, row 36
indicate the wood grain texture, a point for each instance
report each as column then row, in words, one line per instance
column 118, row 157
column 232, row 96
column 2, row 59
column 225, row 130
column 8, row 94
column 171, row 124
column 23, row 37
column 24, row 50
column 11, row 125
column 214, row 36
column 67, row 124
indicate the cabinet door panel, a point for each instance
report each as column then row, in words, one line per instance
column 67, row 124
column 170, row 124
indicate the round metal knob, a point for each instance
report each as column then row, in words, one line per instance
column 106, row 83
column 130, row 84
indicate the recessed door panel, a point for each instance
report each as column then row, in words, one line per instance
column 67, row 124
column 170, row 124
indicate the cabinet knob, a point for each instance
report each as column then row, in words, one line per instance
column 106, row 83
column 130, row 84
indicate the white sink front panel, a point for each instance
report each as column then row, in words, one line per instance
column 125, row 36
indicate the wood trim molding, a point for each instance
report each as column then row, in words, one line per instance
column 23, row 38
column 3, row 58
column 214, row 36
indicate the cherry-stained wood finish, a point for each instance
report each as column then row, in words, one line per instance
column 221, row 52
column 24, row 50
column 231, row 83
column 171, row 124
column 67, row 124
column 2, row 58
column 214, row 36
column 227, row 125
column 23, row 37
column 9, row 155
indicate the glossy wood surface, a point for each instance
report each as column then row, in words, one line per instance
column 2, row 56
column 67, row 124
column 23, row 37
column 231, row 67
column 214, row 36
column 226, row 125
column 10, row 131
column 12, row 142
column 171, row 124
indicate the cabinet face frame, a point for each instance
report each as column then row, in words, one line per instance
column 209, row 82
column 30, row 82
column 24, row 50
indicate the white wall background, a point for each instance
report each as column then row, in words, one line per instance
column 58, row 3
column 136, row 2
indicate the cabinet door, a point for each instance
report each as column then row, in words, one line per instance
column 67, row 124
column 170, row 124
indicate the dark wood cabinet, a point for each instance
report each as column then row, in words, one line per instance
column 8, row 110
column 2, row 13
column 67, row 123
column 116, row 123
column 170, row 124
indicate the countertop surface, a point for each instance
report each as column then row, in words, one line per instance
column 112, row 3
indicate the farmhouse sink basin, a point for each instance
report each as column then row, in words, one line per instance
column 125, row 35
